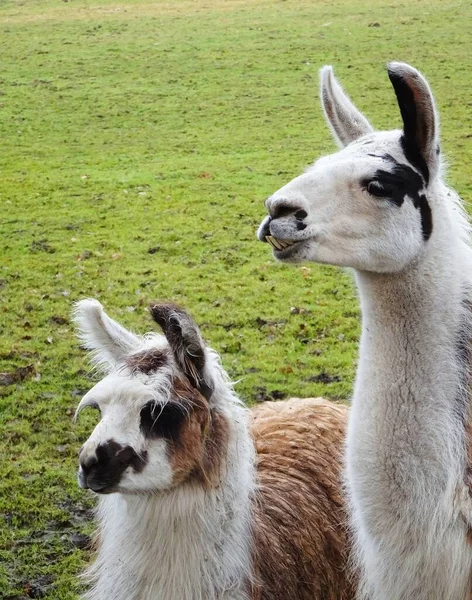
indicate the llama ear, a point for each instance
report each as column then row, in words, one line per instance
column 420, row 138
column 186, row 343
column 345, row 120
column 109, row 342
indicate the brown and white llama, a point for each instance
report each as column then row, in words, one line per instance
column 380, row 206
column 199, row 498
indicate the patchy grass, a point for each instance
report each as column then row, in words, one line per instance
column 138, row 141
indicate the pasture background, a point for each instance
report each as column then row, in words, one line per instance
column 138, row 141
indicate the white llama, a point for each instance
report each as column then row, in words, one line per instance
column 380, row 205
column 193, row 505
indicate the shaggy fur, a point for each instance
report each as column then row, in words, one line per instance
column 215, row 513
column 380, row 206
column 299, row 527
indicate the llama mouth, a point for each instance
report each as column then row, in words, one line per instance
column 95, row 486
column 100, row 489
column 278, row 244
column 284, row 250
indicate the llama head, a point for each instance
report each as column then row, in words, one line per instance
column 161, row 425
column 368, row 206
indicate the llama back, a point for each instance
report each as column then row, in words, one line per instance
column 300, row 532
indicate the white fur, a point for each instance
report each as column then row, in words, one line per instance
column 191, row 544
column 158, row 541
column 406, row 446
column 346, row 122
column 108, row 341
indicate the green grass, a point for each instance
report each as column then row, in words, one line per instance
column 164, row 125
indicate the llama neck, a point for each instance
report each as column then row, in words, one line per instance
column 189, row 543
column 412, row 370
column 406, row 441
column 412, row 365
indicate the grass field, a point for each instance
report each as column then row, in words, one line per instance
column 138, row 142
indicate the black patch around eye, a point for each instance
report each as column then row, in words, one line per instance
column 161, row 420
column 396, row 185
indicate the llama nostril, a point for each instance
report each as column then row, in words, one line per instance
column 284, row 210
column 288, row 210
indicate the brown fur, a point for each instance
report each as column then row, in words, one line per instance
column 301, row 543
column 147, row 361
column 201, row 445
column 185, row 342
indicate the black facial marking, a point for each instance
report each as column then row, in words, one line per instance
column 162, row 420
column 104, row 472
column 408, row 141
column 426, row 216
column 396, row 185
column 139, row 461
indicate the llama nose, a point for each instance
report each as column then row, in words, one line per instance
column 88, row 464
column 102, row 469
column 269, row 225
column 88, row 469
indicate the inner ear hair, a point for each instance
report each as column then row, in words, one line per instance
column 108, row 341
column 346, row 121
column 185, row 341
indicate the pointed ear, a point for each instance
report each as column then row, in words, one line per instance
column 109, row 342
column 420, row 138
column 346, row 122
column 185, row 342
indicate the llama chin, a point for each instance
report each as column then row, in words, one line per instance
column 199, row 498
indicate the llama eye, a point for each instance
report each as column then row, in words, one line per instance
column 161, row 420
column 375, row 188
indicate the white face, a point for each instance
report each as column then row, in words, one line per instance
column 364, row 207
column 119, row 454
column 154, row 417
